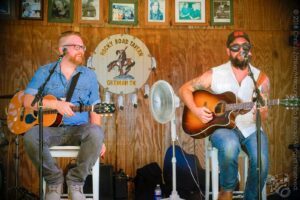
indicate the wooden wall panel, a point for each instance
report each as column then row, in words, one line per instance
column 263, row 15
column 133, row 138
column 282, row 86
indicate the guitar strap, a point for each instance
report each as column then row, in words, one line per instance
column 261, row 78
column 72, row 87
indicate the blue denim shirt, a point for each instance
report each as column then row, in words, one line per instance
column 86, row 91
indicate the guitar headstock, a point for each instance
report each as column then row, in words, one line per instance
column 290, row 102
column 104, row 108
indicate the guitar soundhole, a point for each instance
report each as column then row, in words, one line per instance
column 29, row 119
column 220, row 108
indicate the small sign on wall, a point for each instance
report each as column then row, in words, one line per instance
column 122, row 63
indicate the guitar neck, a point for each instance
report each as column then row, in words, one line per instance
column 75, row 109
column 249, row 105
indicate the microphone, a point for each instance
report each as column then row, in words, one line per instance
column 65, row 50
column 244, row 54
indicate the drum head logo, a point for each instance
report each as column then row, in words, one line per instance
column 123, row 63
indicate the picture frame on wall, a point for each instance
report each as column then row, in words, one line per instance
column 60, row 11
column 31, row 9
column 123, row 12
column 190, row 12
column 221, row 12
column 90, row 10
column 6, row 9
column 157, row 12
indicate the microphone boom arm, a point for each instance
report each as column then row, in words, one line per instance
column 39, row 96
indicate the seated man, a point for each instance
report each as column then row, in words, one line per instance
column 233, row 76
column 77, row 128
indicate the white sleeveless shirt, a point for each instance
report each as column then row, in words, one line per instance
column 223, row 80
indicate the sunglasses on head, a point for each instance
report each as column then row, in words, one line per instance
column 237, row 47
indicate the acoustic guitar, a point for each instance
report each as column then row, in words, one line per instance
column 225, row 108
column 21, row 119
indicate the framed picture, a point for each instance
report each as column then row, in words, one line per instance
column 6, row 9
column 221, row 12
column 30, row 9
column 60, row 11
column 190, row 11
column 157, row 12
column 89, row 10
column 123, row 12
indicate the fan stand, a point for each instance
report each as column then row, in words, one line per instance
column 162, row 106
column 174, row 195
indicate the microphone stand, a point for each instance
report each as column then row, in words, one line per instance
column 39, row 100
column 259, row 102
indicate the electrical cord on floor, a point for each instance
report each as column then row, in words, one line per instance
column 197, row 175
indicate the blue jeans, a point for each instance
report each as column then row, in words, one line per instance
column 229, row 143
column 89, row 137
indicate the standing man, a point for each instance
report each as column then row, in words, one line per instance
column 78, row 128
column 233, row 76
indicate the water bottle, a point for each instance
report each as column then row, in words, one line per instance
column 157, row 192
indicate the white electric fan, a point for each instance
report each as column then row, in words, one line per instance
column 163, row 103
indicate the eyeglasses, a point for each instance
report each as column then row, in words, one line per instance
column 237, row 47
column 76, row 46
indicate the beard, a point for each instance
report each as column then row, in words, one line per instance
column 240, row 64
column 77, row 59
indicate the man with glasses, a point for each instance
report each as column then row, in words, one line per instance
column 233, row 76
column 77, row 128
